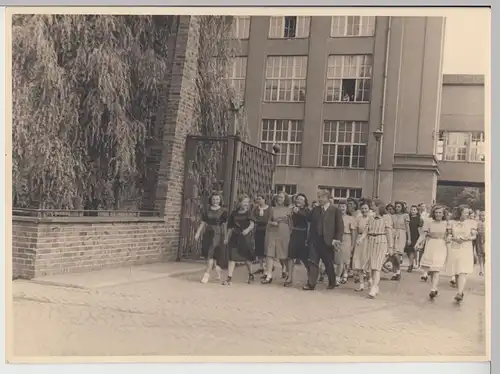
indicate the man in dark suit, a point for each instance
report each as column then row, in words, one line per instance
column 325, row 235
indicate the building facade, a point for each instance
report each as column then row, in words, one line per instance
column 326, row 88
column 461, row 144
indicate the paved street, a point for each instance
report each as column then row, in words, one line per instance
column 177, row 315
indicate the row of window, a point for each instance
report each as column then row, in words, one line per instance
column 345, row 143
column 348, row 78
column 461, row 146
column 338, row 193
column 295, row 27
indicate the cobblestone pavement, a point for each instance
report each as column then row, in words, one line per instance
column 180, row 316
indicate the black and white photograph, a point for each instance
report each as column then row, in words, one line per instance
column 249, row 183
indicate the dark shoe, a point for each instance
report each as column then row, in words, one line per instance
column 481, row 274
column 228, row 281
column 251, row 278
column 308, row 287
column 343, row 281
column 453, row 283
column 410, row 268
column 331, row 286
column 424, row 278
column 459, row 297
column 267, row 281
column 433, row 294
column 396, row 277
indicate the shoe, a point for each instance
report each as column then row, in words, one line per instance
column 459, row 297
column 373, row 292
column 288, row 283
column 396, row 277
column 361, row 288
column 284, row 275
column 481, row 274
column 453, row 283
column 424, row 278
column 308, row 287
column 433, row 294
column 331, row 286
column 205, row 278
column 228, row 281
column 410, row 268
column 343, row 281
column 251, row 278
column 267, row 280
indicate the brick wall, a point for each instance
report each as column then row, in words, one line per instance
column 48, row 246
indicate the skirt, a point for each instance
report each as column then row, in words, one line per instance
column 480, row 244
column 434, row 257
column 277, row 240
column 343, row 257
column 460, row 259
column 360, row 256
column 297, row 248
column 399, row 241
column 240, row 248
column 260, row 242
column 212, row 243
column 377, row 249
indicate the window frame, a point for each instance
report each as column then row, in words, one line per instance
column 236, row 28
column 284, row 187
column 239, row 88
column 284, row 145
column 279, row 22
column 444, row 149
column 336, row 200
column 276, row 82
column 366, row 20
column 364, row 125
column 362, row 61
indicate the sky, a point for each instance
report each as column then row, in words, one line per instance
column 467, row 42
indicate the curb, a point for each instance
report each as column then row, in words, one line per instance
column 173, row 274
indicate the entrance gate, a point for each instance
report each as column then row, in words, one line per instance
column 226, row 165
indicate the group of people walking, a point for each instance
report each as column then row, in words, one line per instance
column 352, row 238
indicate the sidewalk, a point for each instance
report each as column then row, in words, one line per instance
column 123, row 275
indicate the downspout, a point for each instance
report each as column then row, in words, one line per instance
column 379, row 133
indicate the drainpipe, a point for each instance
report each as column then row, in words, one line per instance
column 379, row 133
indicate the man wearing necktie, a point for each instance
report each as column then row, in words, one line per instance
column 325, row 235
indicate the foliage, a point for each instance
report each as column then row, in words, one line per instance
column 85, row 90
column 453, row 196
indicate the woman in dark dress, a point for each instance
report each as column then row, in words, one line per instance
column 297, row 248
column 213, row 220
column 261, row 215
column 239, row 239
column 416, row 223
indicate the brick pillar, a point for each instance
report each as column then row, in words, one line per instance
column 177, row 118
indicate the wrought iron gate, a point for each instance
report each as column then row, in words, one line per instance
column 226, row 165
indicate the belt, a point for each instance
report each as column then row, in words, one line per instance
column 298, row 229
column 374, row 234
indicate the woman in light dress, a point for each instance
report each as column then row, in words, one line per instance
column 380, row 242
column 401, row 231
column 343, row 257
column 360, row 257
column 435, row 235
column 460, row 257
column 278, row 236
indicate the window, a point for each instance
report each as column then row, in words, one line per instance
column 240, row 28
column 342, row 193
column 289, row 27
column 238, row 73
column 349, row 78
column 287, row 134
column 477, row 150
column 344, row 144
column 290, row 189
column 286, row 78
column 461, row 146
column 343, row 26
